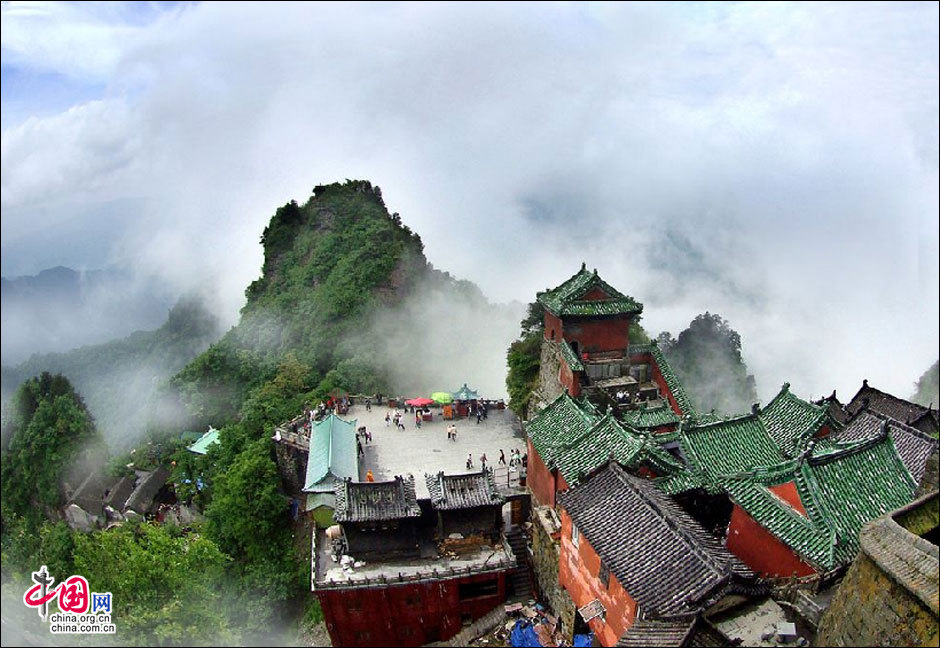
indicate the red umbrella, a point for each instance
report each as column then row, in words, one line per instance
column 419, row 402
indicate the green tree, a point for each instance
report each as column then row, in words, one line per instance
column 707, row 359
column 927, row 388
column 247, row 516
column 48, row 429
column 167, row 588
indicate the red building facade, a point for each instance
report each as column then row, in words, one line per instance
column 580, row 572
column 411, row 614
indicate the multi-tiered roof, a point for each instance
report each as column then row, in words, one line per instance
column 569, row 299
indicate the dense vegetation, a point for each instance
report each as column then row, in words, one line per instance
column 927, row 388
column 122, row 380
column 328, row 264
column 707, row 359
column 49, row 431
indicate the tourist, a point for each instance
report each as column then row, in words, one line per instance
column 359, row 447
column 388, row 419
column 483, row 460
column 502, row 457
column 469, row 461
column 369, row 477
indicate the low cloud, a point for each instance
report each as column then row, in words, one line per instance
column 776, row 164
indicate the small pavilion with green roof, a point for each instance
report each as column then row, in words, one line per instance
column 201, row 445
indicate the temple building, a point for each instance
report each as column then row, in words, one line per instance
column 399, row 571
column 917, row 416
column 638, row 568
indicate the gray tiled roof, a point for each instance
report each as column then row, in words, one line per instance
column 654, row 632
column 661, row 556
column 450, row 492
column 913, row 446
column 891, row 406
column 376, row 501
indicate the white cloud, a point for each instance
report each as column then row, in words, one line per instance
column 774, row 163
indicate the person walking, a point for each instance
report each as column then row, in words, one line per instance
column 483, row 460
column 502, row 457
column 388, row 419
column 469, row 461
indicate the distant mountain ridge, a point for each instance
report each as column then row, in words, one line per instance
column 61, row 308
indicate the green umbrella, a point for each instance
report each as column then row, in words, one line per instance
column 442, row 397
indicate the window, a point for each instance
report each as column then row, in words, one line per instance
column 575, row 536
column 603, row 575
column 477, row 589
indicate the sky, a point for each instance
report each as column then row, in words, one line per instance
column 774, row 163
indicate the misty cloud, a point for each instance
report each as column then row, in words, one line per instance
column 775, row 164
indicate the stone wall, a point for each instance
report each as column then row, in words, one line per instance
column 889, row 595
column 550, row 386
column 546, row 528
column 291, row 465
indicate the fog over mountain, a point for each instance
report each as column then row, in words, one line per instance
column 61, row 309
column 775, row 164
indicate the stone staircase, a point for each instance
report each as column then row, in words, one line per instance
column 520, row 579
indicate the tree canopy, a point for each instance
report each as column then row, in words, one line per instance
column 707, row 359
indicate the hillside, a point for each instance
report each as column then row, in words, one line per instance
column 122, row 380
column 346, row 289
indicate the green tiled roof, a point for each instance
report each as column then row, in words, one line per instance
column 202, row 445
column 645, row 418
column 731, row 446
column 842, row 488
column 681, row 481
column 333, row 455
column 580, row 455
column 812, row 541
column 856, row 485
column 465, row 394
column 565, row 299
column 779, row 432
column 672, row 381
column 790, row 421
column 574, row 439
column 573, row 362
column 562, row 420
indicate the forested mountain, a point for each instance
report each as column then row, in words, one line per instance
column 707, row 358
column 123, row 381
column 928, row 388
column 346, row 289
column 347, row 300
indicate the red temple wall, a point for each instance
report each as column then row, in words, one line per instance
column 596, row 335
column 761, row 550
column 405, row 615
column 788, row 493
column 539, row 478
column 577, row 573
column 553, row 325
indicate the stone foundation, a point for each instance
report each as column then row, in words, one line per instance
column 889, row 595
column 546, row 551
column 550, row 386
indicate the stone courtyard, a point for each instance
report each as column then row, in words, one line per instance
column 428, row 450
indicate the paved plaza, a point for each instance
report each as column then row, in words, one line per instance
column 428, row 450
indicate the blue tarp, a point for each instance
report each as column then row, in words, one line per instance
column 523, row 634
column 583, row 640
